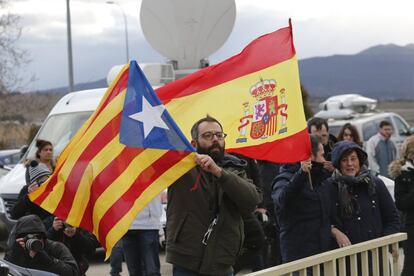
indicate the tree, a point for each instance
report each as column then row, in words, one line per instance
column 32, row 133
column 305, row 99
column 11, row 57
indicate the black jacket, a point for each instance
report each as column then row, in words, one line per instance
column 194, row 201
column 376, row 216
column 404, row 189
column 302, row 212
column 81, row 245
column 55, row 257
column 25, row 207
column 254, row 236
column 373, row 213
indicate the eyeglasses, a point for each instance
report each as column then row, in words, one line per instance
column 210, row 135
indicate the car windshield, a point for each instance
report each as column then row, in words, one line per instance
column 12, row 158
column 59, row 129
column 334, row 130
column 402, row 128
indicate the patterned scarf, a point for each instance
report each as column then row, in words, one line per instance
column 346, row 187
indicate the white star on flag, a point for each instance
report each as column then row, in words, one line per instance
column 150, row 116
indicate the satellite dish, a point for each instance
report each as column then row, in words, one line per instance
column 187, row 31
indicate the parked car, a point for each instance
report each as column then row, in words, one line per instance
column 362, row 113
column 7, row 268
column 4, row 170
column 10, row 157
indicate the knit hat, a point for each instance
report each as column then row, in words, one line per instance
column 37, row 171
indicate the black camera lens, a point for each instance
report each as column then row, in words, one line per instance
column 34, row 245
column 33, row 242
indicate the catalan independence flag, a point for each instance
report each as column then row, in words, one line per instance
column 128, row 152
column 255, row 95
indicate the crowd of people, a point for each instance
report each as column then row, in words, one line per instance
column 231, row 212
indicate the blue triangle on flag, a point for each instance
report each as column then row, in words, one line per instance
column 145, row 122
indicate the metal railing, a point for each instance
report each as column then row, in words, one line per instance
column 353, row 260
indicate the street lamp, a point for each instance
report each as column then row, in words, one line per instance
column 125, row 25
column 70, row 59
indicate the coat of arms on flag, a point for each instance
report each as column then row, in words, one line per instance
column 264, row 113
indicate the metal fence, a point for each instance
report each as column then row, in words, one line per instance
column 359, row 259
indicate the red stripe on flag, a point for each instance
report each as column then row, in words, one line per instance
column 117, row 89
column 294, row 144
column 105, row 179
column 52, row 181
column 146, row 178
column 265, row 51
column 103, row 137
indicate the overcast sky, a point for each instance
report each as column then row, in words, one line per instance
column 321, row 28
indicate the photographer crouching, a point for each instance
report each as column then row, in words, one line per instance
column 31, row 249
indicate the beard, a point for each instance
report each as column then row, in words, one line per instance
column 215, row 151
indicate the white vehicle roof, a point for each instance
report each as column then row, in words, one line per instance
column 361, row 118
column 86, row 100
column 81, row 101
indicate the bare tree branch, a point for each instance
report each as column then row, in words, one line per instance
column 11, row 57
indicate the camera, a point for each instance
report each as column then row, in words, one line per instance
column 34, row 242
column 66, row 225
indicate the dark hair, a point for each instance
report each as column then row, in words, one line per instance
column 384, row 123
column 208, row 118
column 318, row 123
column 361, row 157
column 315, row 141
column 40, row 144
column 354, row 133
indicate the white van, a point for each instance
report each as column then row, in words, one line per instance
column 362, row 113
column 63, row 121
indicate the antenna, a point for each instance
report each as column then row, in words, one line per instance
column 187, row 31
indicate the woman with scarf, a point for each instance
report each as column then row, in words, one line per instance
column 363, row 207
column 403, row 172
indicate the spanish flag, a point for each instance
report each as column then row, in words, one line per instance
column 128, row 151
column 255, row 95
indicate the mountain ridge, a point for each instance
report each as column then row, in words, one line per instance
column 384, row 71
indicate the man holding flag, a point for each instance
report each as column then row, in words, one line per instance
column 132, row 148
column 205, row 207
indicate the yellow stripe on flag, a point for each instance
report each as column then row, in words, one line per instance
column 95, row 167
column 111, row 111
column 159, row 185
column 122, row 183
column 74, row 141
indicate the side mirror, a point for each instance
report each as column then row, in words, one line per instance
column 23, row 150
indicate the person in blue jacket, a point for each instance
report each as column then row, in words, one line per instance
column 362, row 207
column 301, row 207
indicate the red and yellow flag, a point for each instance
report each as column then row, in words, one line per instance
column 99, row 183
column 255, row 95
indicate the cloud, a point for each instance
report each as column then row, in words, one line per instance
column 320, row 27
